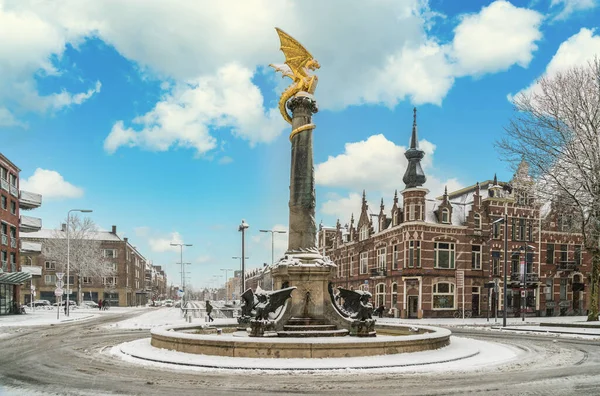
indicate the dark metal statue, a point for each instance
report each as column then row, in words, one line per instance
column 356, row 303
column 269, row 302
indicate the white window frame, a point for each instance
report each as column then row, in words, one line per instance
column 451, row 254
column 114, row 253
column 445, row 216
column 411, row 212
column 395, row 257
column 450, row 293
column 87, row 280
column 381, row 254
column 476, row 254
column 51, row 267
column 364, row 233
column 477, row 221
column 413, row 254
column 50, row 279
column 364, row 262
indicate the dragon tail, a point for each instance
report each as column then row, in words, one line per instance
column 287, row 94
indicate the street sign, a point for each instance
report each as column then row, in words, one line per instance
column 59, row 283
column 522, row 293
column 60, row 275
column 58, row 292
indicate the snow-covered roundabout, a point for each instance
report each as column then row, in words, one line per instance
column 394, row 349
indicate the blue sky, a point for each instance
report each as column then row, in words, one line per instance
column 162, row 116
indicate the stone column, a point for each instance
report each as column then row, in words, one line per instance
column 302, row 203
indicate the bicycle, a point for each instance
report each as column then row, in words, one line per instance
column 458, row 314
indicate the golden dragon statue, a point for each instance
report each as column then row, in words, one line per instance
column 298, row 64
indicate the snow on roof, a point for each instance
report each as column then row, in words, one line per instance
column 459, row 212
column 46, row 233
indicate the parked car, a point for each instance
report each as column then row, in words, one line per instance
column 62, row 303
column 168, row 303
column 40, row 303
column 89, row 304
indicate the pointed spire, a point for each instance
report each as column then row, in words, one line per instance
column 352, row 219
column 495, row 180
column 395, row 196
column 446, row 190
column 381, row 203
column 414, row 142
column 414, row 175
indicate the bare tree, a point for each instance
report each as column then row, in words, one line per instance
column 556, row 129
column 85, row 252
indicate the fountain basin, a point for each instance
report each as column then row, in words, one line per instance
column 391, row 339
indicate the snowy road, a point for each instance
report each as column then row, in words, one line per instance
column 66, row 360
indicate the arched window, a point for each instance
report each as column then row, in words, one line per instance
column 394, row 294
column 443, row 295
column 477, row 221
column 363, row 287
column 395, row 217
column 380, row 295
column 445, row 216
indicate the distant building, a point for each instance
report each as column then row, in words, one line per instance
column 12, row 225
column 411, row 257
column 127, row 288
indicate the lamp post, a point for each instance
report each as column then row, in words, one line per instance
column 242, row 227
column 273, row 242
column 181, row 245
column 226, row 283
column 68, row 310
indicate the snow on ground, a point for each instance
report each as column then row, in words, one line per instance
column 462, row 354
column 41, row 316
column 579, row 320
column 161, row 317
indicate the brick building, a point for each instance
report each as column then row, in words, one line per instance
column 156, row 282
column 126, row 288
column 410, row 257
column 12, row 225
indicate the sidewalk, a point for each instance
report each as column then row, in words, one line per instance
column 42, row 316
column 579, row 321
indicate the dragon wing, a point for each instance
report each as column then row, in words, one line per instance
column 296, row 55
column 284, row 69
column 351, row 298
column 249, row 298
column 277, row 298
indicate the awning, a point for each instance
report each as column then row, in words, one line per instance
column 14, row 278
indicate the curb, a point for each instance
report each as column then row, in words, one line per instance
column 339, row 365
column 549, row 331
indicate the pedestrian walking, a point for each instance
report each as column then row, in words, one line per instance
column 209, row 311
column 99, row 305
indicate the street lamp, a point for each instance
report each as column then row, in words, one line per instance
column 69, row 250
column 273, row 242
column 226, row 282
column 242, row 227
column 181, row 245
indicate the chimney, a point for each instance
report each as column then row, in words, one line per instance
column 114, row 230
column 125, row 239
column 63, row 227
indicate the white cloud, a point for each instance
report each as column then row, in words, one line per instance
column 22, row 60
column 577, row 50
column 373, row 164
column 496, row 38
column 376, row 165
column 51, row 185
column 163, row 244
column 225, row 160
column 206, row 54
column 568, row 7
column 185, row 115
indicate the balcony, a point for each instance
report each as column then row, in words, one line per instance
column 566, row 266
column 30, row 224
column 31, row 247
column 14, row 191
column 4, row 184
column 378, row 272
column 529, row 278
column 29, row 200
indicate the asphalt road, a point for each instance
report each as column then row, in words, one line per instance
column 70, row 359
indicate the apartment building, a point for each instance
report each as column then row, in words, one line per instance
column 126, row 288
column 12, row 225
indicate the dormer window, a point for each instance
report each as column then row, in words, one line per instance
column 364, row 233
column 445, row 216
column 477, row 221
